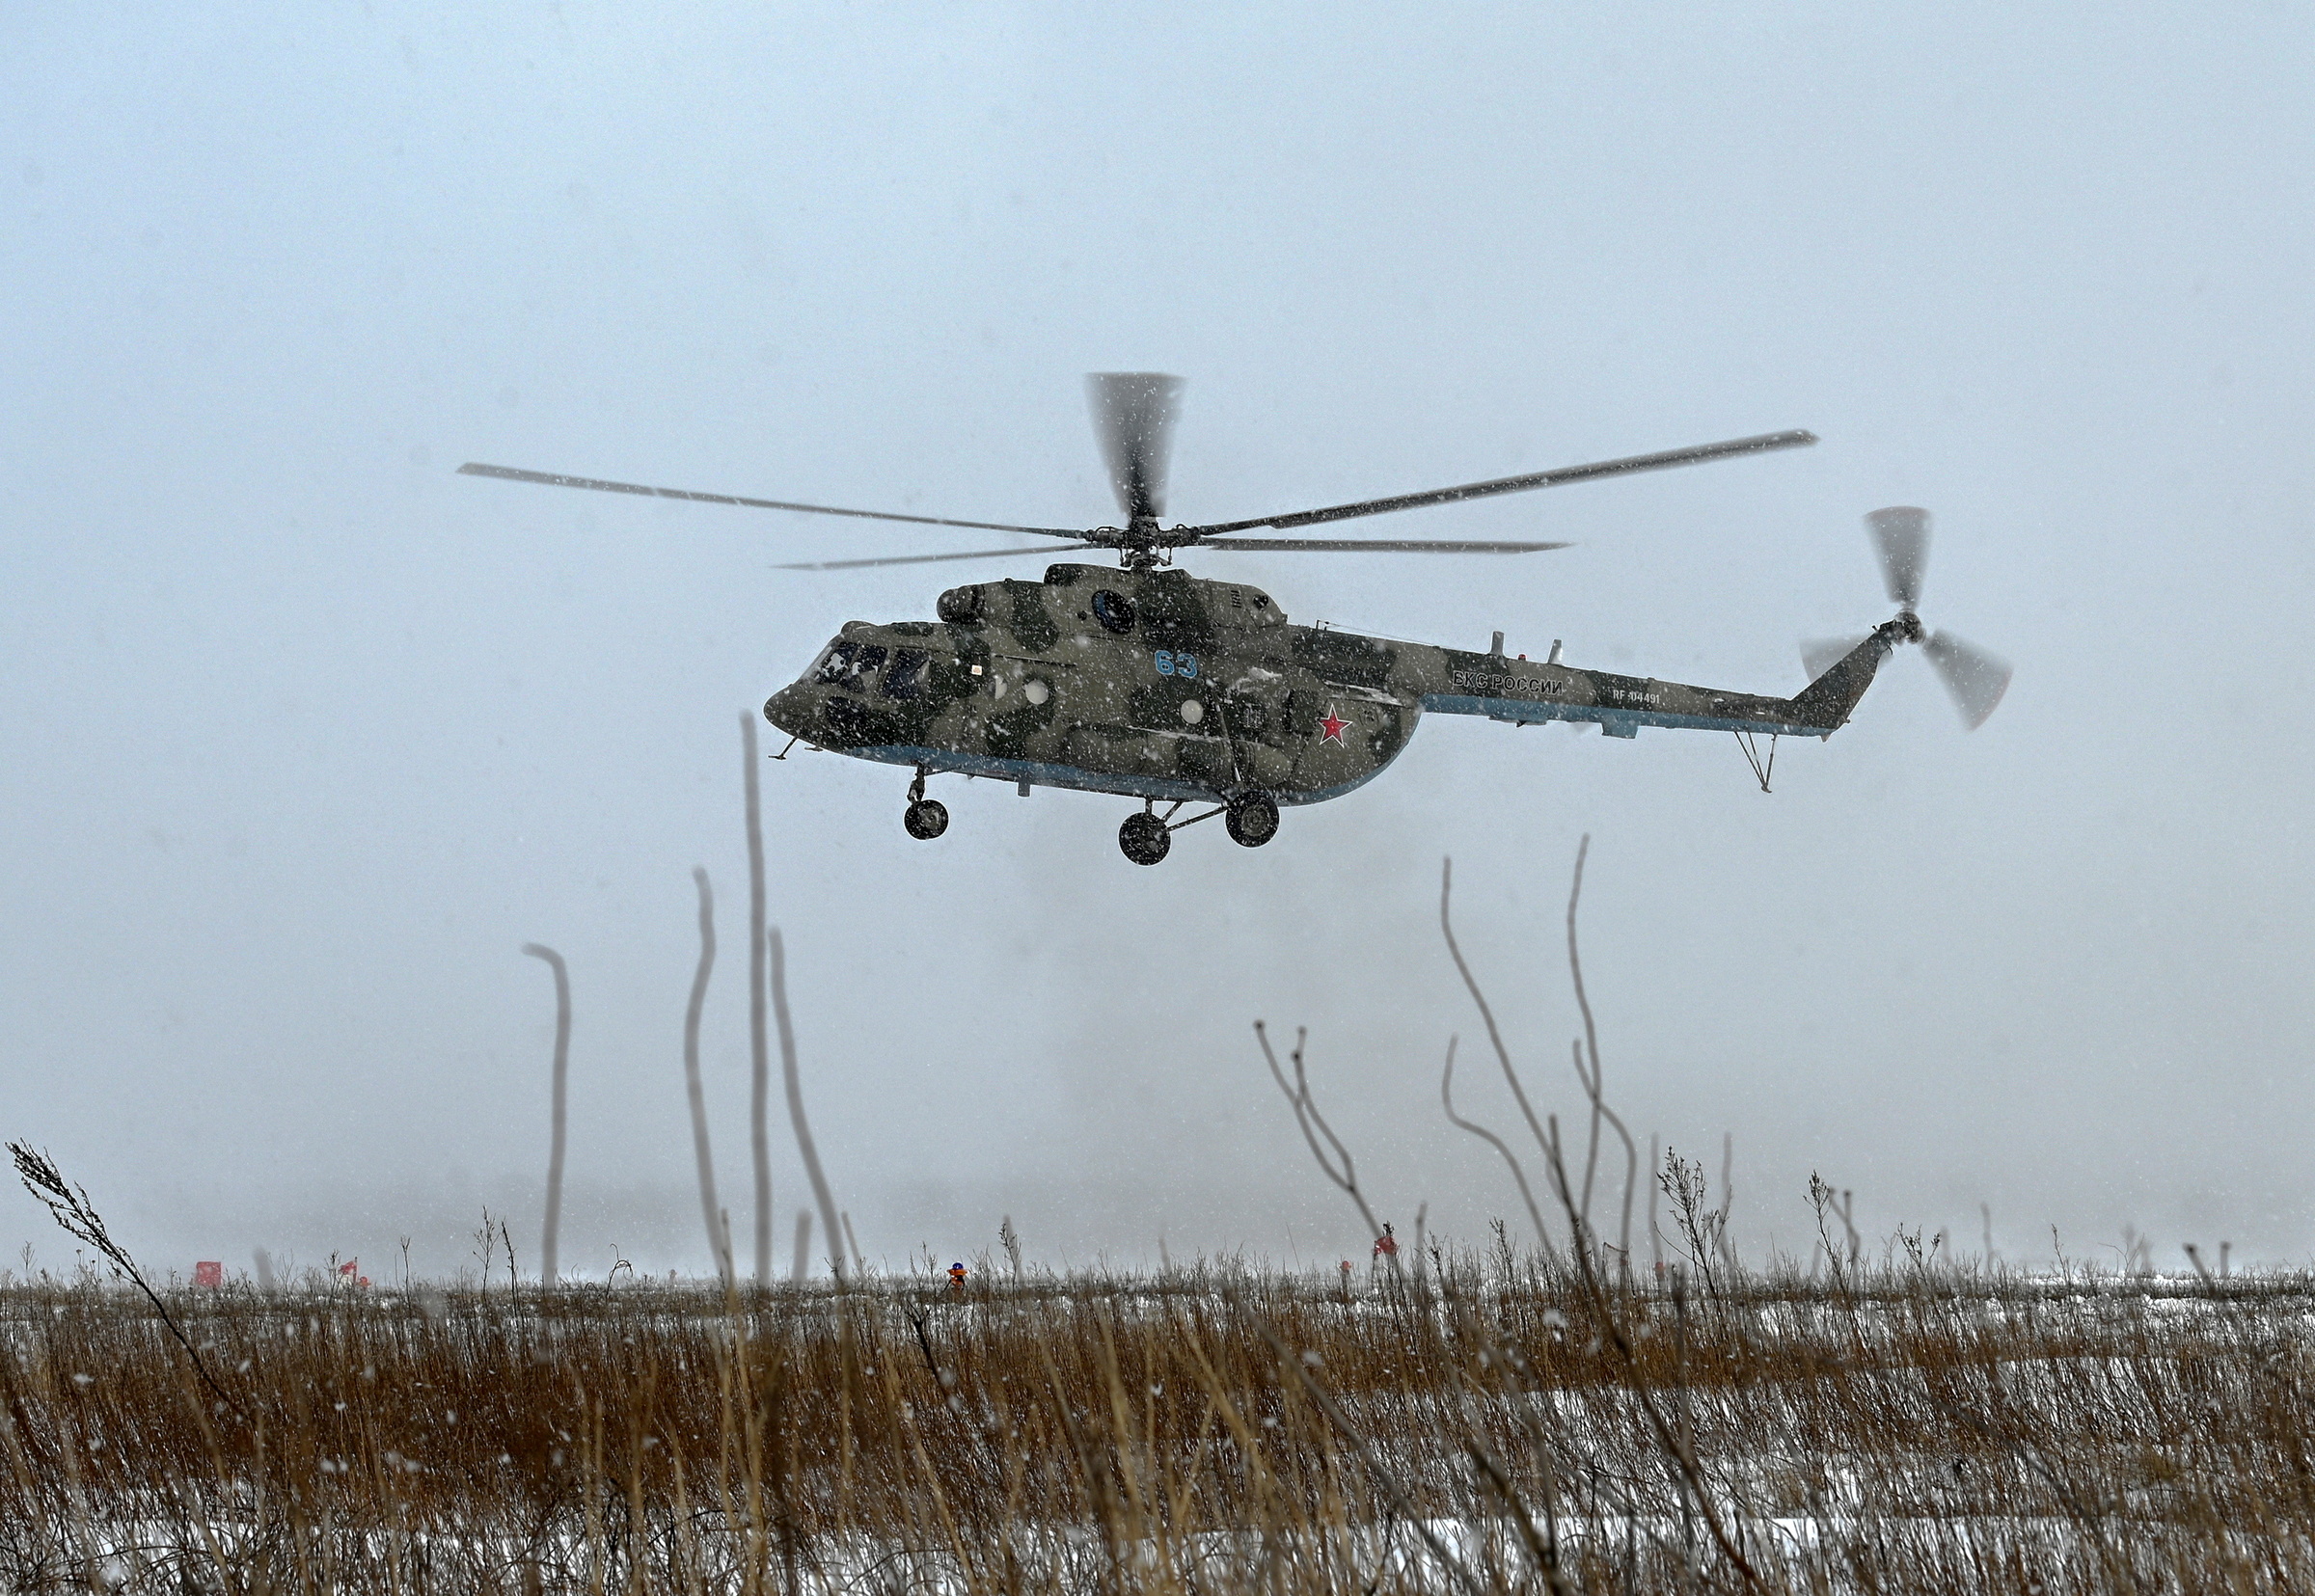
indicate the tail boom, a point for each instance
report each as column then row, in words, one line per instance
column 1526, row 692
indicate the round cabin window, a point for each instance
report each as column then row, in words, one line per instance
column 1114, row 610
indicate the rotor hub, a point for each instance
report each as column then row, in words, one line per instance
column 1142, row 545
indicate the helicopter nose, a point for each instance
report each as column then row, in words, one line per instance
column 787, row 709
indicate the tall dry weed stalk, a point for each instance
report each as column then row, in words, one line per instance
column 759, row 1054
column 800, row 1265
column 77, row 1217
column 561, row 1099
column 711, row 1213
column 831, row 1218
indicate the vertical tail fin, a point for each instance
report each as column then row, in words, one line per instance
column 1827, row 700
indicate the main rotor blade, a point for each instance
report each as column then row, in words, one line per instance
column 1761, row 445
column 1901, row 535
column 906, row 560
column 1392, row 546
column 1819, row 655
column 1975, row 678
column 553, row 480
column 1133, row 415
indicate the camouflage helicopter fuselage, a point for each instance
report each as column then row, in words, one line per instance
column 1141, row 680
column 1156, row 685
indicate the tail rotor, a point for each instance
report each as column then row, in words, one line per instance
column 1901, row 537
column 1975, row 677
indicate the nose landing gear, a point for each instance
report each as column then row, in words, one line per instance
column 926, row 818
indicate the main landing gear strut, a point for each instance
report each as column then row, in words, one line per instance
column 1251, row 819
column 926, row 818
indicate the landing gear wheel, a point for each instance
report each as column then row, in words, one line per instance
column 1144, row 838
column 1251, row 820
column 926, row 819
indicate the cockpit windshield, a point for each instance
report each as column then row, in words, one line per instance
column 848, row 664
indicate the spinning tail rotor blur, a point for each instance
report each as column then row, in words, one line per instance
column 1975, row 678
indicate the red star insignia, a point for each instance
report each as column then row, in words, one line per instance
column 1331, row 729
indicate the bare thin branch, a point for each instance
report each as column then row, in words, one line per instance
column 1307, row 1116
column 1470, row 983
column 1535, row 1215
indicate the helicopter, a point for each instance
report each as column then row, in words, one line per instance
column 1143, row 681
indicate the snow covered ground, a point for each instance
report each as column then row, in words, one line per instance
column 1489, row 1430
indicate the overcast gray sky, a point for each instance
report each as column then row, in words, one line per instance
column 302, row 734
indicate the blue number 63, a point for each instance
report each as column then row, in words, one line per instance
column 1170, row 664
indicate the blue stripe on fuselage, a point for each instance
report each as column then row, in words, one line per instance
column 1617, row 722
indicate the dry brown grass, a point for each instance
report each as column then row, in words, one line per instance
column 1220, row 1428
column 1481, row 1423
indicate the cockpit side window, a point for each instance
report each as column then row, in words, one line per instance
column 906, row 678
